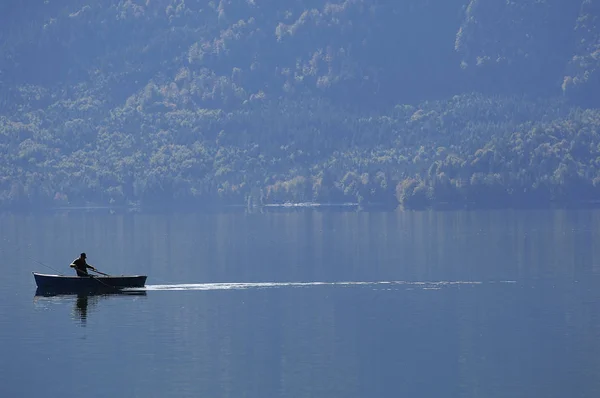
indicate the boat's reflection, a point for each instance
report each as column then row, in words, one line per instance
column 84, row 302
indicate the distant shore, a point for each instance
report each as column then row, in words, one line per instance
column 289, row 206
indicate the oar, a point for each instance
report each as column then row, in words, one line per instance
column 101, row 273
column 105, row 284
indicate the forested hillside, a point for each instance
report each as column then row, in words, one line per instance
column 417, row 102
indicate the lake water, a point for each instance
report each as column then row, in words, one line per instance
column 306, row 303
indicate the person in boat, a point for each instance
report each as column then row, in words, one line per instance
column 81, row 266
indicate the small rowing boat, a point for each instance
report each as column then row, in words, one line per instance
column 76, row 284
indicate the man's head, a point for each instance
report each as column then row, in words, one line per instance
column 82, row 255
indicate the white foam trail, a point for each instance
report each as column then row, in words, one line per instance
column 264, row 285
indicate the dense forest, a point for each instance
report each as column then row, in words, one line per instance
column 196, row 103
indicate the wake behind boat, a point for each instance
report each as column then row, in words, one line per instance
column 77, row 284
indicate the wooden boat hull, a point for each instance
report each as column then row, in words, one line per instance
column 76, row 284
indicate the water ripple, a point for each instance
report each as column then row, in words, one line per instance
column 264, row 285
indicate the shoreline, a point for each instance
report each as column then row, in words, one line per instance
column 291, row 206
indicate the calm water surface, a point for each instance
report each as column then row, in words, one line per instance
column 307, row 304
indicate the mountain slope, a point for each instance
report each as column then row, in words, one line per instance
column 269, row 101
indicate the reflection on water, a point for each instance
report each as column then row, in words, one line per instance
column 81, row 306
column 83, row 302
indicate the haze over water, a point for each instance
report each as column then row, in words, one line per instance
column 306, row 303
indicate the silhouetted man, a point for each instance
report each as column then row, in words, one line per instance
column 81, row 265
